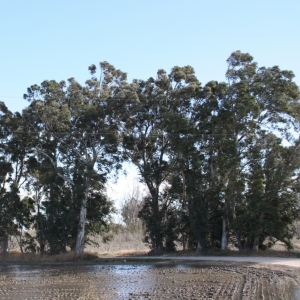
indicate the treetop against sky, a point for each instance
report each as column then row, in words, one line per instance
column 58, row 40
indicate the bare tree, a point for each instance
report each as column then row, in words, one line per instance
column 131, row 206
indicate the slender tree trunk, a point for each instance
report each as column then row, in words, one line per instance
column 185, row 205
column 20, row 241
column 238, row 239
column 5, row 245
column 82, row 219
column 199, row 248
column 159, row 247
column 184, row 190
column 183, row 241
column 256, row 239
column 81, row 228
column 255, row 244
column 225, row 232
column 39, row 223
column 236, row 234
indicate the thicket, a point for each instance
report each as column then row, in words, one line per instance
column 220, row 161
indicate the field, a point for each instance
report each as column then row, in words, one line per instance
column 160, row 280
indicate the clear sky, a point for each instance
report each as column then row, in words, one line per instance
column 59, row 39
column 43, row 39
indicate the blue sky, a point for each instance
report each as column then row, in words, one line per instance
column 59, row 39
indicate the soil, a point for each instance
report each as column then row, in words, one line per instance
column 160, row 280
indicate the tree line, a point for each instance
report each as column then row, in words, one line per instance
column 220, row 161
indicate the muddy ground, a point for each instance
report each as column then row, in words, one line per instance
column 162, row 280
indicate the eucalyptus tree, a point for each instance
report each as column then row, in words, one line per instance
column 225, row 123
column 73, row 120
column 193, row 152
column 271, row 205
column 15, row 153
column 210, row 143
column 259, row 99
column 147, row 124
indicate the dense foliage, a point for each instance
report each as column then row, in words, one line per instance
column 220, row 161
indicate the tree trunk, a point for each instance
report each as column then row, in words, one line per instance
column 199, row 248
column 255, row 244
column 238, row 239
column 159, row 247
column 82, row 218
column 225, row 232
column 157, row 242
column 5, row 245
column 256, row 239
column 39, row 224
column 185, row 205
column 20, row 242
column 81, row 228
column 183, row 241
column 236, row 234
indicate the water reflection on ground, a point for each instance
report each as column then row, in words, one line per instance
column 161, row 281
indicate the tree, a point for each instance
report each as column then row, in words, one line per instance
column 271, row 205
column 75, row 120
column 130, row 209
column 259, row 100
column 147, row 123
column 15, row 152
column 212, row 160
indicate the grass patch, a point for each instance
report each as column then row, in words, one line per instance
column 31, row 258
column 15, row 257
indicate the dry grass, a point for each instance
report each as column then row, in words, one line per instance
column 17, row 257
column 122, row 241
column 14, row 256
column 131, row 252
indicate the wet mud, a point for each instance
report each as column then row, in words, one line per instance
column 146, row 282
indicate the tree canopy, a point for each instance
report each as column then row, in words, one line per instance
column 220, row 161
